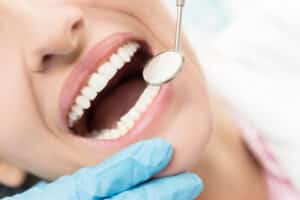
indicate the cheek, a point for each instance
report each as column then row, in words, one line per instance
column 189, row 140
column 189, row 133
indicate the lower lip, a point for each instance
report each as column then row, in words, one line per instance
column 142, row 126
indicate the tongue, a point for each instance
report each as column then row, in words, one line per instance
column 109, row 109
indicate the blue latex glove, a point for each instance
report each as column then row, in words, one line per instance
column 126, row 176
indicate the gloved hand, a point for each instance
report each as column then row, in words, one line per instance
column 126, row 176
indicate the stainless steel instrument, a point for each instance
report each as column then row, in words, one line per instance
column 165, row 66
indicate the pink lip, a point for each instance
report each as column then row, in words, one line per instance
column 79, row 77
column 88, row 65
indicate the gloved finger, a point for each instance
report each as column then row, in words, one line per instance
column 126, row 169
column 185, row 186
column 40, row 185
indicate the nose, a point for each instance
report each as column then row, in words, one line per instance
column 55, row 32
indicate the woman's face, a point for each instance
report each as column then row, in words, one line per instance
column 52, row 48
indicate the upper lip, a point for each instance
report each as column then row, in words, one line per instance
column 90, row 62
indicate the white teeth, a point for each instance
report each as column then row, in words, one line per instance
column 123, row 53
column 128, row 121
column 73, row 116
column 77, row 109
column 106, row 69
column 83, row 102
column 133, row 114
column 88, row 92
column 117, row 61
column 98, row 81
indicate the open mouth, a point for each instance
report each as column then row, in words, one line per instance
column 115, row 96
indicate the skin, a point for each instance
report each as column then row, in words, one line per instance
column 32, row 139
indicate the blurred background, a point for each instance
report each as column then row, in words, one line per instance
column 247, row 31
column 204, row 19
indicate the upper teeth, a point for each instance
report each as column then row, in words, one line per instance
column 99, row 80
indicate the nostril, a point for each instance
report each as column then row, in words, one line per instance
column 66, row 46
column 77, row 26
column 47, row 58
column 60, row 43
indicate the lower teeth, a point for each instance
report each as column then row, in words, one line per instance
column 127, row 121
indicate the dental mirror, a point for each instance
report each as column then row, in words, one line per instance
column 165, row 66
